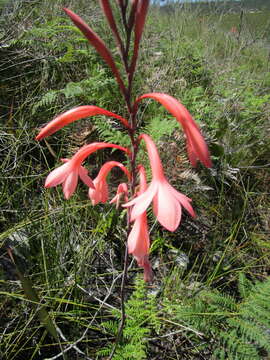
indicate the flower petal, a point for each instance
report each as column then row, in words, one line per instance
column 155, row 162
column 70, row 184
column 148, row 273
column 184, row 201
column 138, row 239
column 190, row 127
column 83, row 173
column 100, row 193
column 87, row 150
column 141, row 202
column 134, row 235
column 73, row 115
column 167, row 208
column 57, row 176
column 122, row 192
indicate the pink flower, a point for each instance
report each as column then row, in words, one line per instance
column 73, row 115
column 100, row 192
column 122, row 192
column 138, row 239
column 68, row 174
column 196, row 145
column 167, row 202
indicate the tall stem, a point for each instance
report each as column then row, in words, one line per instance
column 123, row 310
column 132, row 110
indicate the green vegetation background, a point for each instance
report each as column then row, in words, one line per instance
column 61, row 261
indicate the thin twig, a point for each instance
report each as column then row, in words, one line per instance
column 184, row 327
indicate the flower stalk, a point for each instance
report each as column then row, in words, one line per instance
column 167, row 201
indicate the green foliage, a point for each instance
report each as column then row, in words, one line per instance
column 141, row 316
column 159, row 127
column 237, row 329
column 87, row 90
column 72, row 252
column 109, row 130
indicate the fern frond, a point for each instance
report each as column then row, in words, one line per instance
column 48, row 99
column 160, row 127
column 234, row 347
column 141, row 312
column 217, row 300
column 109, row 131
column 244, row 285
column 239, row 330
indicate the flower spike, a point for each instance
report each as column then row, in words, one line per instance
column 76, row 114
column 167, row 201
column 98, row 44
column 196, row 145
column 100, row 192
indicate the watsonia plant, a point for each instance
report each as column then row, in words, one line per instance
column 167, row 201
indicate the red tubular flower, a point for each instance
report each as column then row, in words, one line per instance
column 122, row 192
column 73, row 115
column 100, row 192
column 98, row 44
column 133, row 10
column 196, row 145
column 167, row 201
column 107, row 10
column 140, row 16
column 138, row 239
column 68, row 173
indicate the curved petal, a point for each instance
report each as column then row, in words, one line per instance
column 138, row 239
column 167, row 208
column 198, row 147
column 142, row 202
column 58, row 175
column 106, row 168
column 104, row 192
column 70, row 184
column 73, row 115
column 87, row 150
column 122, row 191
column 133, row 236
column 155, row 162
column 83, row 174
column 191, row 153
column 100, row 193
column 185, row 119
column 143, row 181
column 184, row 201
